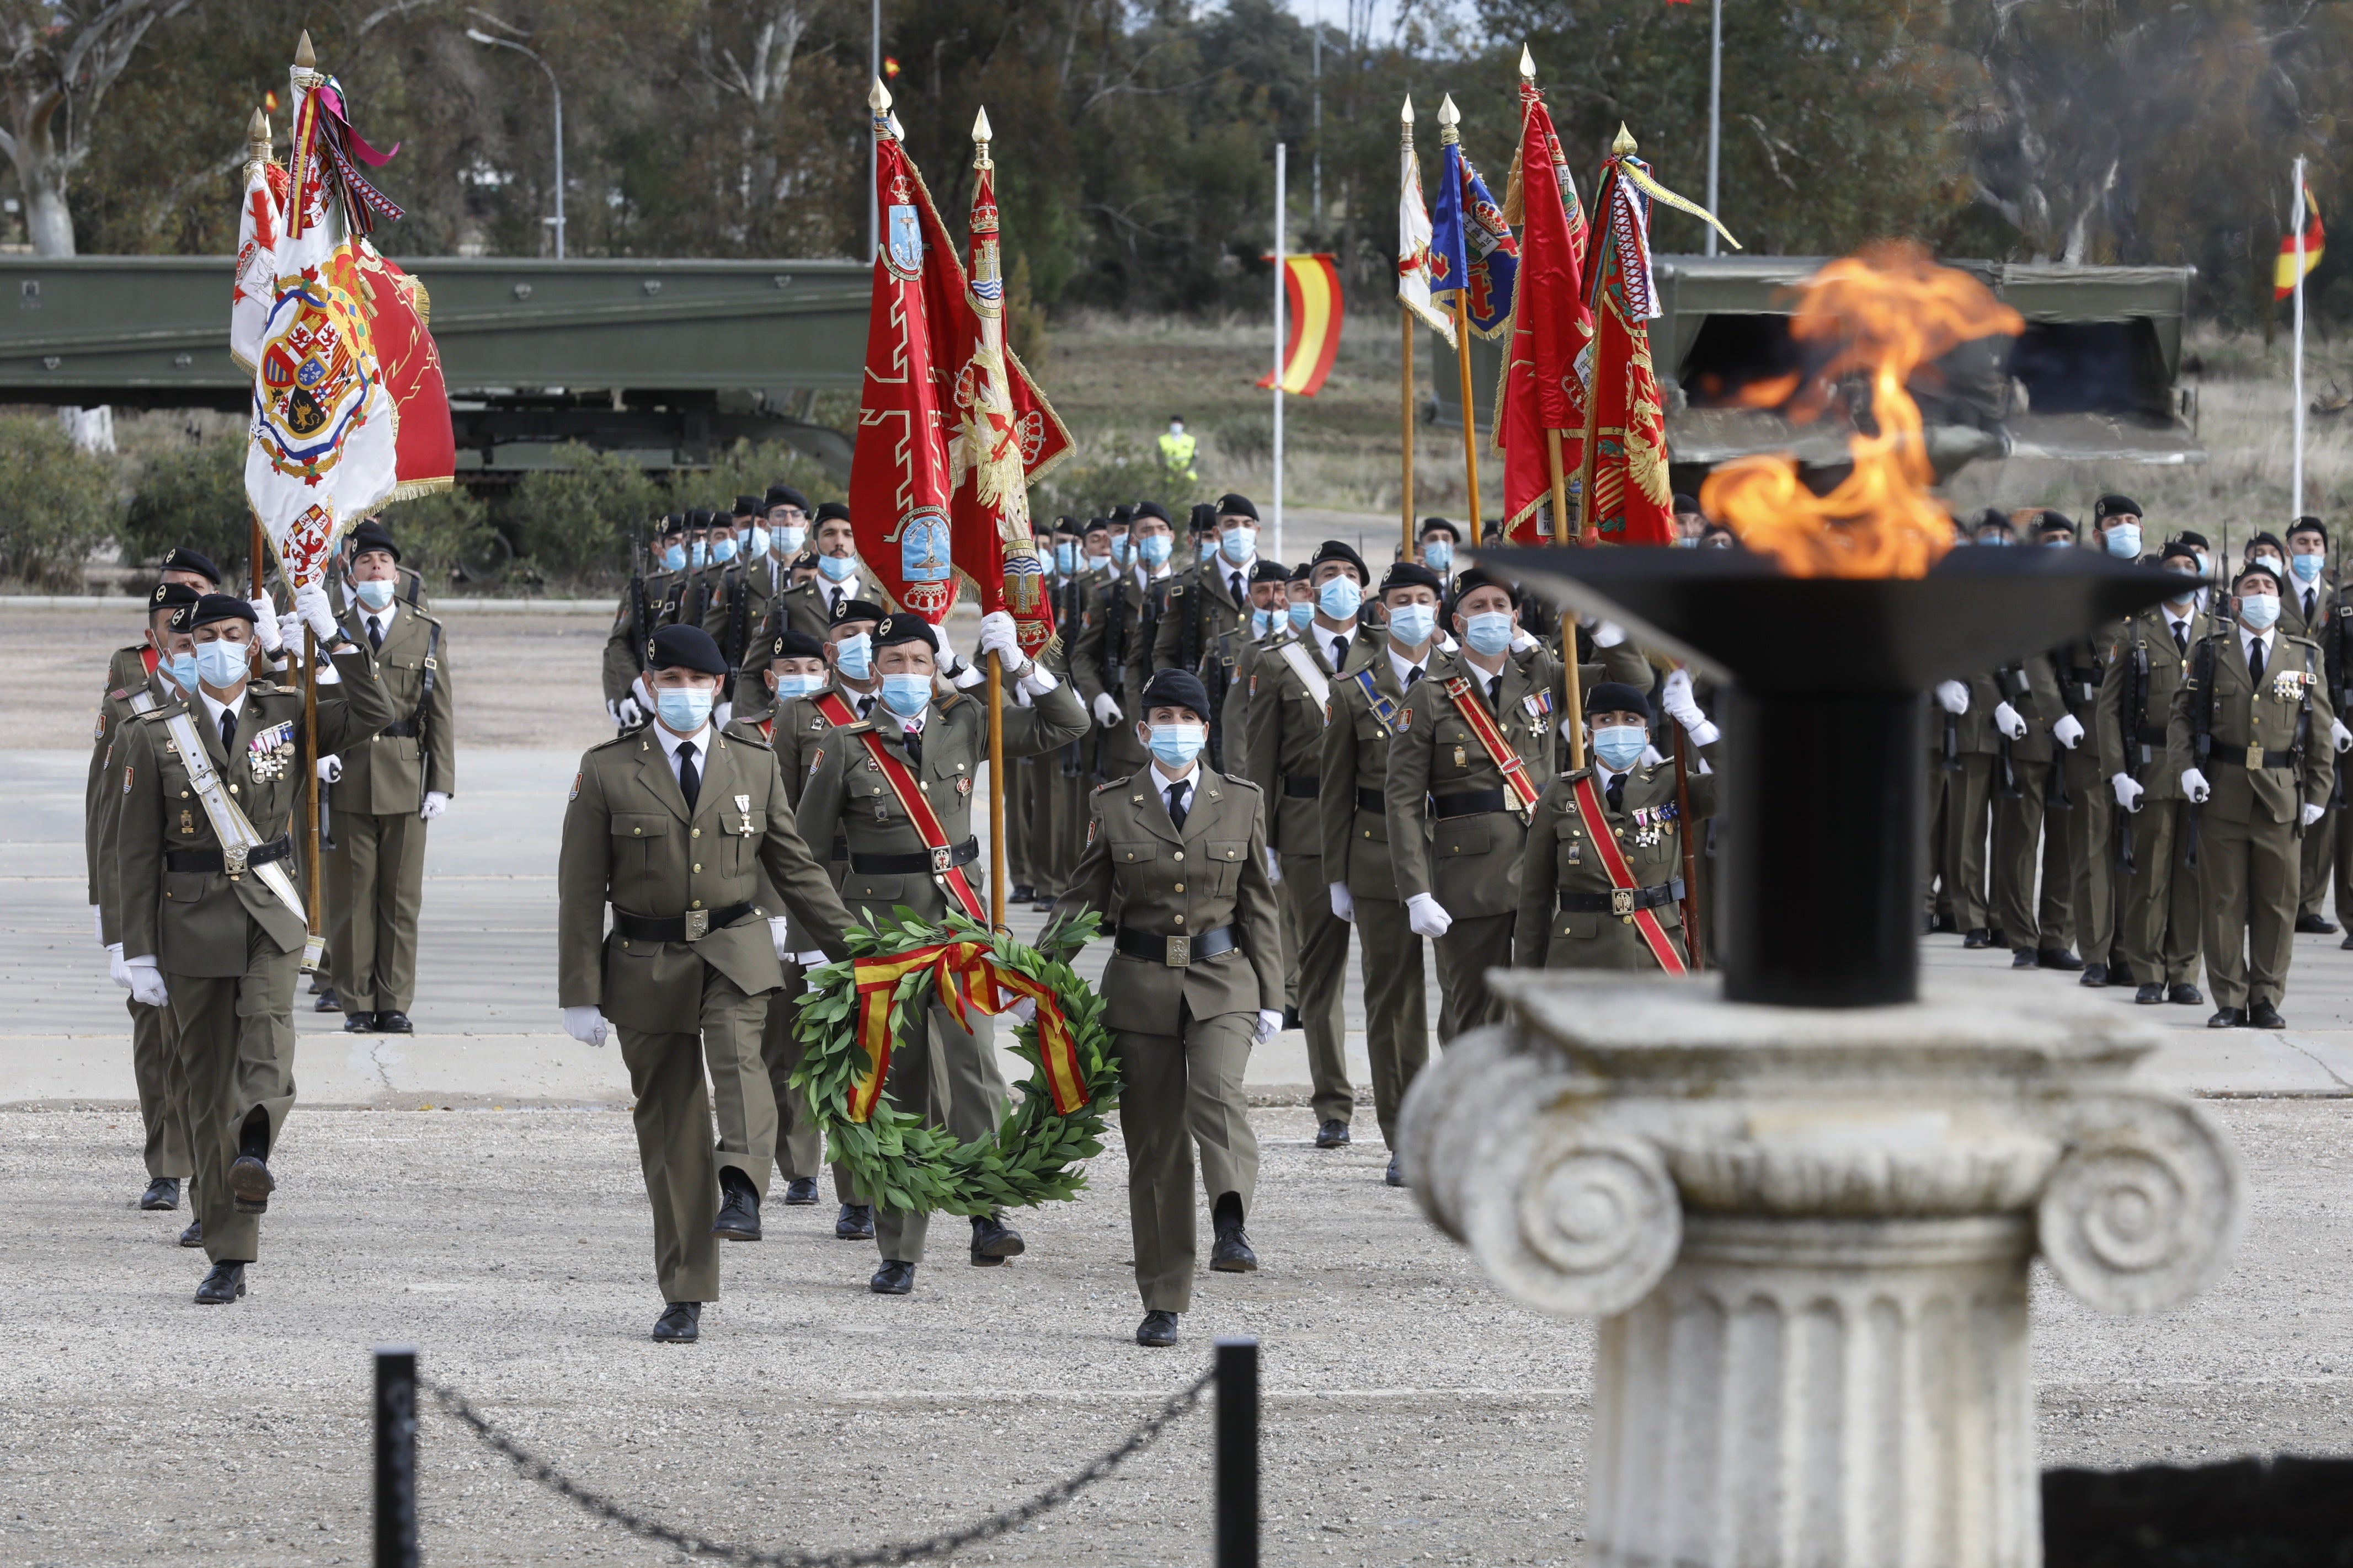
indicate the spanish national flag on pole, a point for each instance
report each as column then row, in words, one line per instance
column 1312, row 287
column 2284, row 276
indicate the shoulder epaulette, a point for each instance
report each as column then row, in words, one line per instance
column 748, row 733
column 1119, row 783
column 119, row 694
column 608, row 745
column 864, row 726
column 161, row 711
column 1239, row 783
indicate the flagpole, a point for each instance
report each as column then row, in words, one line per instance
column 1404, row 376
column 1714, row 112
column 2296, row 225
column 1449, row 119
column 1565, row 529
column 313, row 944
column 985, row 270
column 1280, row 278
column 257, row 155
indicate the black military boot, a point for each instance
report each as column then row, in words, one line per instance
column 249, row 1180
column 855, row 1223
column 1232, row 1253
column 679, row 1324
column 1158, row 1327
column 739, row 1208
column 224, row 1284
column 994, row 1241
column 800, row 1193
column 163, row 1192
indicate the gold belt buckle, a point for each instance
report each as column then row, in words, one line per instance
column 2254, row 754
column 233, row 858
column 698, row 924
column 943, row 861
column 1621, row 901
column 1180, row 952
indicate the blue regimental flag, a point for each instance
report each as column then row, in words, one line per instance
column 1470, row 246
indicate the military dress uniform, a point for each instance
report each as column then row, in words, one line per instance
column 376, row 867
column 2158, row 915
column 891, row 867
column 229, row 950
column 2028, row 883
column 2089, row 826
column 1964, row 812
column 1202, row 628
column 1572, row 916
column 2268, row 754
column 737, row 617
column 625, row 648
column 2316, row 611
column 686, row 972
column 1114, row 655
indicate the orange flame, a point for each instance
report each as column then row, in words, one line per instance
column 1887, row 311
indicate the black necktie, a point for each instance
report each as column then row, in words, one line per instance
column 1617, row 793
column 1412, row 675
column 1177, row 793
column 1234, row 583
column 376, row 633
column 1495, row 693
column 2255, row 659
column 690, row 783
column 833, row 604
column 228, row 731
column 1339, row 654
column 2181, row 639
column 914, row 741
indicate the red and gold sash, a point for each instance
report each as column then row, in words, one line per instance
column 933, row 832
column 1621, row 876
column 1500, row 752
column 966, row 977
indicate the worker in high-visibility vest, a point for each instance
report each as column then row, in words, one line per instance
column 1177, row 449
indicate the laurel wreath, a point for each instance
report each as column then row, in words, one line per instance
column 1035, row 1155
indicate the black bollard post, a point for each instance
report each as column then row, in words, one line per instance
column 1237, row 1453
column 395, row 1457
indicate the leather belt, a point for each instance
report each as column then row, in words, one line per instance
column 1374, row 801
column 2253, row 757
column 2152, row 734
column 1301, row 786
column 212, row 860
column 405, row 728
column 1622, row 900
column 691, row 926
column 920, row 863
column 1469, row 802
column 1176, row 951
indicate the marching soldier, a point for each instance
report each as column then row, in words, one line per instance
column 1058, row 801
column 1437, row 542
column 755, row 569
column 900, row 784
column 2088, row 828
column 1113, row 656
column 1964, row 765
column 809, row 605
column 1207, row 616
column 649, row 604
column 673, row 825
column 1291, row 697
column 1179, row 850
column 2255, row 710
column 382, row 791
column 214, row 925
column 2158, row 915
column 1601, row 884
column 2311, row 608
column 131, row 664
column 2029, row 797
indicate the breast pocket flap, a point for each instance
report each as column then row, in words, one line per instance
column 642, row 824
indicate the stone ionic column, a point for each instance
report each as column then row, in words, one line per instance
column 1807, row 1233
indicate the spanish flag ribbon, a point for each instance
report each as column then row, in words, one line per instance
column 965, row 977
column 2285, row 276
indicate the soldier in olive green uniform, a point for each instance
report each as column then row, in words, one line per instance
column 1179, row 850
column 808, row 606
column 223, row 952
column 1572, row 914
column 649, row 603
column 2310, row 607
column 942, row 745
column 674, row 825
column 382, row 793
column 2158, row 922
column 2254, row 714
column 1113, row 656
column 1206, row 618
column 1291, row 685
column 2029, row 802
column 1963, row 759
column 744, row 614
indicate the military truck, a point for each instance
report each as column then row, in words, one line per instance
column 2095, row 378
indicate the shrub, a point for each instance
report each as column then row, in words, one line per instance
column 435, row 533
column 58, row 503
column 577, row 520
column 192, row 495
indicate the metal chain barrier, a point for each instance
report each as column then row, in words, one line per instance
column 996, row 1524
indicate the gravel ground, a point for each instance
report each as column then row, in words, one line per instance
column 1412, row 1414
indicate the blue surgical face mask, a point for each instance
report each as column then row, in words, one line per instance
column 1066, row 558
column 1686, row 541
column 1237, row 544
column 1121, row 551
column 1995, row 541
column 854, row 655
column 786, row 541
column 376, row 596
column 2124, row 540
column 1155, row 549
column 791, row 686
column 1489, row 632
column 906, row 695
column 1412, row 625
column 2259, row 610
column 2305, row 567
column 1339, row 597
column 224, row 664
column 2269, row 562
column 1176, row 745
column 2062, row 542
column 758, row 545
column 685, row 709
column 1620, row 746
column 722, row 551
column 1301, row 615
column 182, row 668
column 697, row 553
column 1262, row 622
column 2205, row 564
column 837, row 568
column 1438, row 554
column 674, row 558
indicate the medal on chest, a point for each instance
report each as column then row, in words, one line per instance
column 743, row 813
column 269, row 752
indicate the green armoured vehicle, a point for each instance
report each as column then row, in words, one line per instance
column 2095, row 378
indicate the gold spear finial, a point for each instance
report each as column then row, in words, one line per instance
column 1449, row 118
column 1623, row 143
column 1527, row 63
column 304, row 58
column 257, row 141
column 878, row 96
column 1405, row 115
column 980, row 131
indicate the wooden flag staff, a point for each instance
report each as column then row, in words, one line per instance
column 1449, row 119
column 981, row 137
column 1405, row 377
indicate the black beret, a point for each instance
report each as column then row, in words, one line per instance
column 828, row 511
column 1144, row 508
column 2111, row 505
column 785, row 495
column 1124, row 514
column 860, row 610
column 1231, row 505
column 674, row 523
column 905, row 628
column 698, row 517
column 805, row 561
column 1991, row 517
column 790, row 644
column 2308, row 525
column 2270, row 539
column 686, row 648
column 1265, row 571
column 215, row 607
column 2177, row 551
column 183, row 559
column 1683, row 503
column 1439, row 524
column 2257, row 571
column 1204, row 517
column 1615, row 696
column 1300, row 574
column 2050, row 521
column 1067, row 525
column 1412, row 574
column 371, row 535
column 748, row 505
column 1339, row 550
column 2189, row 536
column 1476, row 578
column 171, row 596
column 1096, row 525
column 1175, row 688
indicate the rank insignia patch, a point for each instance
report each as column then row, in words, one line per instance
column 1405, row 718
column 815, row 758
column 575, row 788
column 126, row 779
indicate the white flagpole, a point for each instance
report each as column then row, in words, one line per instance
column 1280, row 274
column 2296, row 225
column 1714, row 112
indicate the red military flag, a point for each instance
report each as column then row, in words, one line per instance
column 1550, row 328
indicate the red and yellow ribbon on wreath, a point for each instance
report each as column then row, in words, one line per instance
column 966, row 977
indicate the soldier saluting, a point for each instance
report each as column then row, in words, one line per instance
column 672, row 825
column 212, row 918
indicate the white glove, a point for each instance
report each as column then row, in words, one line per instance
column 1675, row 696
column 116, row 969
column 962, row 675
column 1343, row 903
column 1107, row 713
column 1953, row 696
column 311, row 603
column 1523, row 639
column 1608, row 634
column 331, row 770
column 2342, row 736
column 96, row 925
column 435, row 802
column 2006, row 720
column 1267, row 1022
column 265, row 624
column 287, row 636
column 1427, row 916
column 627, row 714
column 2194, row 785
column 1273, row 868
column 2309, row 814
column 998, row 636
column 776, row 936
column 146, row 981
column 2128, row 791
column 585, row 1025
column 1025, row 1009
column 2070, row 730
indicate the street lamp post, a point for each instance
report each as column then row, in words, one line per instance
column 556, row 90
